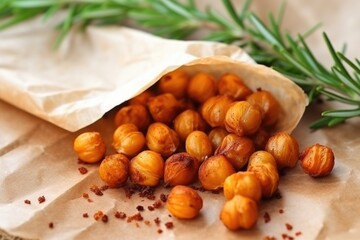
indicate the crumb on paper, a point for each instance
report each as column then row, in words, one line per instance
column 83, row 170
column 157, row 204
column 98, row 215
column 120, row 215
column 298, row 233
column 85, row 215
column 151, row 208
column 135, row 217
column 288, row 226
column 157, row 221
column 27, row 201
column 159, row 231
column 267, row 217
column 163, row 197
column 140, row 208
column 105, row 218
column 41, row 199
column 281, row 211
column 169, row 225
column 51, row 225
column 95, row 189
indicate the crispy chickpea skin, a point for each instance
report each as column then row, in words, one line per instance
column 174, row 82
column 317, row 160
column 136, row 114
column 232, row 86
column 187, row 122
column 201, row 87
column 90, row 147
column 180, row 169
column 198, row 145
column 164, row 108
column 216, row 136
column 142, row 98
column 242, row 183
column 162, row 139
column 128, row 140
column 184, row 202
column 114, row 170
column 214, row 110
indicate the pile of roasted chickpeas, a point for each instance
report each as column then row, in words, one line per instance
column 217, row 131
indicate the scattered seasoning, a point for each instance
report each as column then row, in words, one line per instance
column 137, row 225
column 163, row 197
column 51, row 225
column 147, row 222
column 98, row 215
column 157, row 204
column 281, row 211
column 298, row 233
column 85, row 195
column 144, row 191
column 95, row 189
column 104, row 188
column 41, row 199
column 140, row 208
column 159, row 231
column 169, row 225
column 277, row 195
column 135, row 217
column 27, row 201
column 269, row 238
column 90, row 200
column 169, row 215
column 120, row 215
column 85, row 215
column 267, row 217
column 288, row 226
column 83, row 170
column 105, row 218
column 151, row 208
column 157, row 221
column 285, row 236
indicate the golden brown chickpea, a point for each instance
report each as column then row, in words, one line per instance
column 243, row 118
column 213, row 172
column 237, row 150
column 142, row 98
column 90, row 147
column 128, row 140
column 184, row 202
column 187, row 122
column 242, row 183
column 180, row 169
column 198, row 145
column 162, row 139
column 174, row 82
column 114, row 170
column 260, row 138
column 232, row 86
column 214, row 110
column 263, row 165
column 317, row 160
column 239, row 213
column 284, row 148
column 216, row 135
column 201, row 87
column 136, row 114
column 164, row 108
column 147, row 168
column 270, row 107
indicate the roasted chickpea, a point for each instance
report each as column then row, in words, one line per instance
column 213, row 172
column 162, row 139
column 242, row 183
column 216, row 135
column 90, row 147
column 114, row 170
column 187, row 122
column 317, row 160
column 136, row 114
column 214, row 110
column 232, row 86
column 184, row 202
column 142, row 98
column 174, row 82
column 198, row 145
column 270, row 107
column 201, row 87
column 263, row 165
column 147, row 168
column 164, row 108
column 260, row 138
column 284, row 148
column 180, row 169
column 243, row 118
column 236, row 149
column 128, row 140
column 239, row 213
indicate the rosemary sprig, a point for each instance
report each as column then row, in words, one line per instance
column 268, row 44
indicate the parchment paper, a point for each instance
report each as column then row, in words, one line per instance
column 36, row 159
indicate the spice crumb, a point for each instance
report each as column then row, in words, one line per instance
column 85, row 215
column 104, row 188
column 277, row 195
column 285, row 236
column 147, row 222
column 41, row 199
column 51, row 225
column 27, row 201
column 95, row 189
column 90, row 200
column 267, row 217
column 120, row 215
column 157, row 204
column 85, row 195
column 98, row 215
column 151, row 208
column 288, row 226
column 169, row 215
column 269, row 238
column 105, row 218
column 159, row 231
column 163, row 197
column 281, row 211
column 140, row 208
column 298, row 233
column 135, row 217
column 137, row 225
column 157, row 221
column 169, row 225
column 83, row 170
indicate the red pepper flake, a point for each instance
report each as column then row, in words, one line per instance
column 169, row 225
column 288, row 226
column 105, row 218
column 267, row 217
column 159, row 231
column 83, row 170
column 120, row 215
column 163, row 197
column 140, row 208
column 27, row 201
column 85, row 215
column 157, row 204
column 41, row 199
column 298, row 233
column 98, row 215
column 95, row 189
column 151, row 208
column 157, row 221
column 147, row 222
column 51, row 225
column 85, row 195
column 135, row 217
column 281, row 211
column 104, row 188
